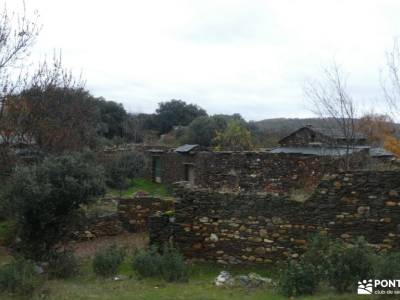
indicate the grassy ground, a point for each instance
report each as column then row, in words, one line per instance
column 199, row 287
column 108, row 205
column 140, row 184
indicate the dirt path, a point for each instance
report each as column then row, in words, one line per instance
column 129, row 241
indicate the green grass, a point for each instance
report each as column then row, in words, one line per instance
column 144, row 185
column 199, row 287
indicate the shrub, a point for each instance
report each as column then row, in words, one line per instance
column 298, row 279
column 387, row 266
column 18, row 277
column 347, row 264
column 169, row 265
column 42, row 198
column 63, row 264
column 124, row 167
column 108, row 261
column 173, row 267
column 316, row 254
column 147, row 263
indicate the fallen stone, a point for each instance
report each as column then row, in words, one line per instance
column 120, row 277
column 224, row 279
column 250, row 281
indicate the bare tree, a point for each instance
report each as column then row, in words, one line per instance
column 329, row 99
column 53, row 112
column 390, row 81
column 18, row 32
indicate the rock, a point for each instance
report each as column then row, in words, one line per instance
column 213, row 237
column 120, row 277
column 224, row 279
column 89, row 235
column 338, row 184
column 38, row 269
column 263, row 233
column 250, row 281
column 203, row 219
column 242, row 228
column 363, row 210
column 260, row 250
column 276, row 220
column 300, row 242
column 197, row 246
column 385, row 220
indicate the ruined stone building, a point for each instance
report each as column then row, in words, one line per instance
column 301, row 160
column 242, row 207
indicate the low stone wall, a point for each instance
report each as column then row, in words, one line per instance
column 95, row 227
column 260, row 228
column 134, row 212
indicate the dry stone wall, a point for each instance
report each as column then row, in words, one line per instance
column 90, row 228
column 242, row 227
column 244, row 171
column 134, row 212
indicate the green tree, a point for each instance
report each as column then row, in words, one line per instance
column 235, row 137
column 112, row 118
column 44, row 197
column 124, row 167
column 203, row 130
column 176, row 112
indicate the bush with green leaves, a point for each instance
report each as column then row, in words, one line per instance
column 317, row 250
column 173, row 266
column 147, row 262
column 346, row 264
column 386, row 266
column 18, row 277
column 125, row 166
column 339, row 264
column 63, row 264
column 298, row 278
column 42, row 199
column 169, row 265
column 107, row 262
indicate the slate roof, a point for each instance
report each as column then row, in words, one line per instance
column 380, row 152
column 186, row 148
column 332, row 151
column 318, row 151
column 334, row 132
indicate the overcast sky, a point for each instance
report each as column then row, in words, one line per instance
column 250, row 57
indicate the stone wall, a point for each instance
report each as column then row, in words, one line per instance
column 245, row 171
column 303, row 137
column 172, row 165
column 97, row 226
column 134, row 212
column 244, row 227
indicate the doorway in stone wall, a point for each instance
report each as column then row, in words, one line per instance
column 156, row 166
column 189, row 173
